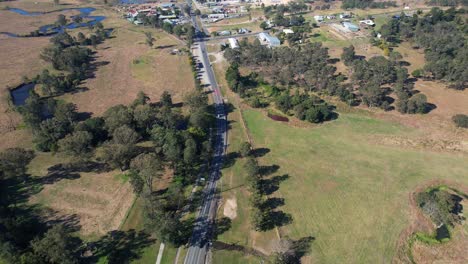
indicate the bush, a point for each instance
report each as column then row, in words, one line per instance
column 460, row 120
column 418, row 73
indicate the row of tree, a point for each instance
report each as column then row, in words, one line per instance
column 264, row 216
column 363, row 4
column 441, row 34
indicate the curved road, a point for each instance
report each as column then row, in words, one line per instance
column 199, row 243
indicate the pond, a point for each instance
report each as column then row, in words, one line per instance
column 21, row 93
column 85, row 13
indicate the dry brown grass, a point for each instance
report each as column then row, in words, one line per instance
column 98, row 200
column 131, row 66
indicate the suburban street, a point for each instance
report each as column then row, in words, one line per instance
column 200, row 240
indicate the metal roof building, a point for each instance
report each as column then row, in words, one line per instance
column 233, row 43
column 351, row 26
column 267, row 39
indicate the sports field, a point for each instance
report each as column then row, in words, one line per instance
column 347, row 187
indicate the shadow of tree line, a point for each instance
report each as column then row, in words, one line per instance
column 267, row 185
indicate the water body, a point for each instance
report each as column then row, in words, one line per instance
column 85, row 13
column 21, row 93
column 132, row 2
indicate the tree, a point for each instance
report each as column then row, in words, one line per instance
column 145, row 117
column 264, row 25
column 196, row 99
column 149, row 39
column 197, row 12
column 190, row 151
column 61, row 20
column 77, row 19
column 460, row 120
column 251, row 167
column 14, row 162
column 372, row 94
column 125, row 135
column 417, row 104
column 32, row 110
column 148, row 167
column 245, row 149
column 77, row 144
column 166, row 99
column 117, row 155
column 142, row 99
column 348, row 55
column 117, row 116
column 56, row 247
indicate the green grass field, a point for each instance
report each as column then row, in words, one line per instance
column 346, row 189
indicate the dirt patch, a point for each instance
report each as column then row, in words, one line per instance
column 423, row 143
column 230, row 208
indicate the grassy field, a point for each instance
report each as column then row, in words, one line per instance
column 346, row 188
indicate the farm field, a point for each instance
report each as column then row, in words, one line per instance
column 342, row 169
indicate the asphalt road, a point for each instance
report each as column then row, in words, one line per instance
column 200, row 240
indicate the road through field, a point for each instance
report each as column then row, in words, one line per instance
column 199, row 243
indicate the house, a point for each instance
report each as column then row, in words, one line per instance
column 267, row 39
column 167, row 17
column 350, row 26
column 167, row 5
column 233, row 43
column 243, row 31
column 170, row 21
column 288, row 31
column 331, row 17
column 318, row 18
column 224, row 33
column 367, row 22
column 216, row 16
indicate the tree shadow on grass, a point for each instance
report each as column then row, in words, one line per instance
column 259, row 152
column 120, row 246
column 221, row 226
column 269, row 186
column 268, row 170
column 301, row 246
column 230, row 159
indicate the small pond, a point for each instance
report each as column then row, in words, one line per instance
column 21, row 93
column 85, row 13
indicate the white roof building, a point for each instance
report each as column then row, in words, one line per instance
column 367, row 22
column 318, row 18
column 233, row 43
column 288, row 31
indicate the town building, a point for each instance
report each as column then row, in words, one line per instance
column 233, row 43
column 350, row 26
column 268, row 40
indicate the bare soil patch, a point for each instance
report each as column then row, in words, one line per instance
column 230, row 208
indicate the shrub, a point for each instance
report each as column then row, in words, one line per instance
column 460, row 120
